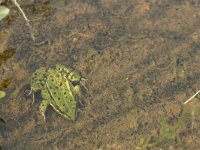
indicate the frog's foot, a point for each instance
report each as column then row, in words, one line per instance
column 29, row 92
column 43, row 107
column 44, row 117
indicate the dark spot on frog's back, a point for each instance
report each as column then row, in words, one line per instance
column 61, row 84
column 73, row 105
column 41, row 80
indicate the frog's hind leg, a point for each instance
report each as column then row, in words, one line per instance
column 58, row 111
column 43, row 107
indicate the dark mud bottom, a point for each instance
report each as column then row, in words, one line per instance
column 140, row 61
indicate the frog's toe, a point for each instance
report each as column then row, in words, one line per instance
column 41, row 114
column 44, row 117
column 29, row 92
column 43, row 107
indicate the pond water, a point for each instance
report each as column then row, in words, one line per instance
column 140, row 60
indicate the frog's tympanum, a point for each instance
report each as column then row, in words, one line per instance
column 58, row 88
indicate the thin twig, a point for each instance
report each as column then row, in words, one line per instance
column 192, row 97
column 18, row 6
column 26, row 19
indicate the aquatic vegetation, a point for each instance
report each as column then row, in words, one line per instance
column 2, row 94
column 189, row 113
column 5, row 55
column 143, row 144
column 167, row 132
column 129, row 94
column 22, row 12
column 4, row 11
column 3, row 58
column 4, row 83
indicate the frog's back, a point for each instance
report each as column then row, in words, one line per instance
column 59, row 88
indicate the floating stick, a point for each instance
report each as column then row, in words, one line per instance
column 192, row 97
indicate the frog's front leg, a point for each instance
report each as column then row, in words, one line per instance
column 77, row 93
column 76, row 90
column 43, row 108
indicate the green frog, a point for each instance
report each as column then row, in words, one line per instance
column 59, row 88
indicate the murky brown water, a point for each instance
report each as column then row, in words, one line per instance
column 140, row 59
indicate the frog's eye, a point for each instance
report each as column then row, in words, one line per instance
column 73, row 76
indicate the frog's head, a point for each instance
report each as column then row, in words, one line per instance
column 62, row 68
column 74, row 77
